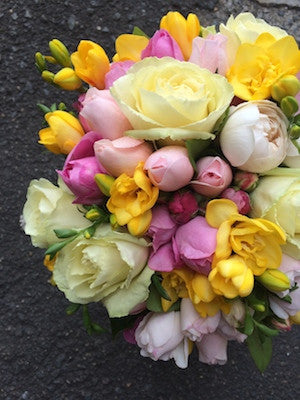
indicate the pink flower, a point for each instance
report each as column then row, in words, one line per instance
column 117, row 69
column 121, row 155
column 213, row 349
column 164, row 259
column 214, row 175
column 169, row 168
column 194, row 244
column 239, row 197
column 183, row 206
column 210, row 53
column 162, row 227
column 129, row 333
column 162, row 45
column 159, row 336
column 78, row 105
column 80, row 168
column 103, row 115
column 245, row 180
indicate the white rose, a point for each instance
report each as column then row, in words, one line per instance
column 255, row 137
column 110, row 266
column 49, row 207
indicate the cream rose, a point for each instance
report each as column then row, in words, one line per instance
column 255, row 137
column 110, row 267
column 50, row 207
column 277, row 198
column 167, row 98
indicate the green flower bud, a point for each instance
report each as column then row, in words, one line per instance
column 104, row 183
column 48, row 76
column 60, row 52
column 294, row 132
column 40, row 61
column 289, row 105
column 289, row 85
column 274, row 280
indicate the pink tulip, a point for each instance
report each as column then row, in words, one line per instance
column 121, row 155
column 169, row 168
column 195, row 243
column 214, row 175
column 80, row 168
column 183, row 206
column 213, row 349
column 103, row 115
column 210, row 53
column 239, row 197
column 162, row 45
column 162, row 227
column 117, row 69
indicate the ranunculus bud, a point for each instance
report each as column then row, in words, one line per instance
column 274, row 280
column 245, row 180
column 121, row 155
column 162, row 45
column 183, row 206
column 169, row 168
column 213, row 176
column 288, row 85
column 239, row 197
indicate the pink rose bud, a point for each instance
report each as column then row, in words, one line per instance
column 169, row 168
column 162, row 227
column 103, row 115
column 213, row 176
column 239, row 197
column 121, row 155
column 80, row 168
column 245, row 180
column 162, row 45
column 183, row 206
column 117, row 69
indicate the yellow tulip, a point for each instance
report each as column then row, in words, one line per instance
column 182, row 30
column 129, row 47
column 91, row 63
column 259, row 65
column 67, row 79
column 63, row 133
column 131, row 200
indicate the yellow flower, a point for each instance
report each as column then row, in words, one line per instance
column 129, row 47
column 185, row 283
column 258, row 66
column 63, row 133
column 67, row 79
column 182, row 30
column 132, row 199
column 91, row 63
column 255, row 240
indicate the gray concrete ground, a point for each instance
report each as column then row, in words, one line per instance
column 45, row 354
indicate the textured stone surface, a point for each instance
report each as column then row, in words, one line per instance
column 291, row 3
column 44, row 354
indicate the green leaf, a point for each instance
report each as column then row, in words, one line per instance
column 195, row 147
column 137, row 31
column 56, row 247
column 175, row 306
column 43, row 108
column 249, row 325
column 97, row 329
column 154, row 300
column 260, row 350
column 86, row 319
column 65, row 233
column 221, row 122
column 53, row 107
column 157, row 283
column 72, row 308
column 265, row 329
column 119, row 324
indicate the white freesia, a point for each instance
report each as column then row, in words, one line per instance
column 255, row 137
column 245, row 28
column 50, row 207
column 89, row 270
column 159, row 336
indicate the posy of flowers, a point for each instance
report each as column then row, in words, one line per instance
column 178, row 205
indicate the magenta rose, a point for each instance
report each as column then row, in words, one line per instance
column 79, row 171
column 162, row 45
column 183, row 206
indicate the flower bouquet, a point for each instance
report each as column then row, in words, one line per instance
column 177, row 206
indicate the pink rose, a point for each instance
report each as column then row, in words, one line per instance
column 213, row 176
column 210, row 53
column 169, row 168
column 121, row 155
column 213, row 349
column 162, row 45
column 195, row 243
column 162, row 227
column 103, row 115
column 245, row 180
column 159, row 336
column 164, row 259
column 80, row 168
column 117, row 69
column 183, row 206
column 239, row 197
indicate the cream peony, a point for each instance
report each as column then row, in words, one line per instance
column 89, row 270
column 167, row 98
column 255, row 137
column 50, row 207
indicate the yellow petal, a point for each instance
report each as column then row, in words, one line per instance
column 219, row 210
column 129, row 47
column 139, row 225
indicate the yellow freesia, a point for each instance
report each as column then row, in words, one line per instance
column 131, row 200
column 245, row 247
column 91, row 63
column 185, row 283
column 182, row 30
column 259, row 65
column 129, row 47
column 67, row 79
column 63, row 133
